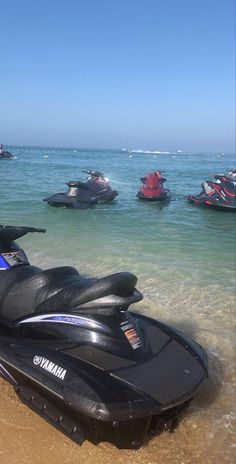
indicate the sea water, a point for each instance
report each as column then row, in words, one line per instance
column 183, row 255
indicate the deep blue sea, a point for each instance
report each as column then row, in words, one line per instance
column 184, row 256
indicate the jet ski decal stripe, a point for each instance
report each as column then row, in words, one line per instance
column 67, row 319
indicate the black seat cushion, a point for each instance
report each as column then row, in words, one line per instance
column 88, row 289
column 23, row 289
column 28, row 290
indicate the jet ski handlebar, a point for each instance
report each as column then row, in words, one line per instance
column 25, row 228
column 10, row 233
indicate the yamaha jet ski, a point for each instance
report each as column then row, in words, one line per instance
column 153, row 188
column 5, row 154
column 84, row 194
column 77, row 356
column 219, row 194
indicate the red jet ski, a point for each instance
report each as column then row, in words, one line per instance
column 219, row 194
column 153, row 188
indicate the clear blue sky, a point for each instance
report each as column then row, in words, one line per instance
column 151, row 74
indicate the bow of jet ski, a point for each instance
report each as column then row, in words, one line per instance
column 76, row 355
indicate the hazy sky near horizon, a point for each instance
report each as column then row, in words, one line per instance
column 151, row 74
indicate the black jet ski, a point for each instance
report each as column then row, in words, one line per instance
column 152, row 188
column 5, row 154
column 77, row 356
column 219, row 194
column 85, row 194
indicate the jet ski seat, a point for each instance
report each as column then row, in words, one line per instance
column 28, row 290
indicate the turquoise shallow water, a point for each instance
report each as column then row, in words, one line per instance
column 178, row 238
column 184, row 256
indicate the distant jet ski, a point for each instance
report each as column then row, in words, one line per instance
column 153, row 188
column 82, row 195
column 219, row 194
column 4, row 154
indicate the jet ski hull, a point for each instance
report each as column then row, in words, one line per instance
column 105, row 197
column 208, row 202
column 90, row 394
column 80, row 202
column 130, row 434
column 63, row 200
column 164, row 196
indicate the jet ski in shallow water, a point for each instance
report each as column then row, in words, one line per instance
column 85, row 194
column 219, row 194
column 153, row 188
column 77, row 356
